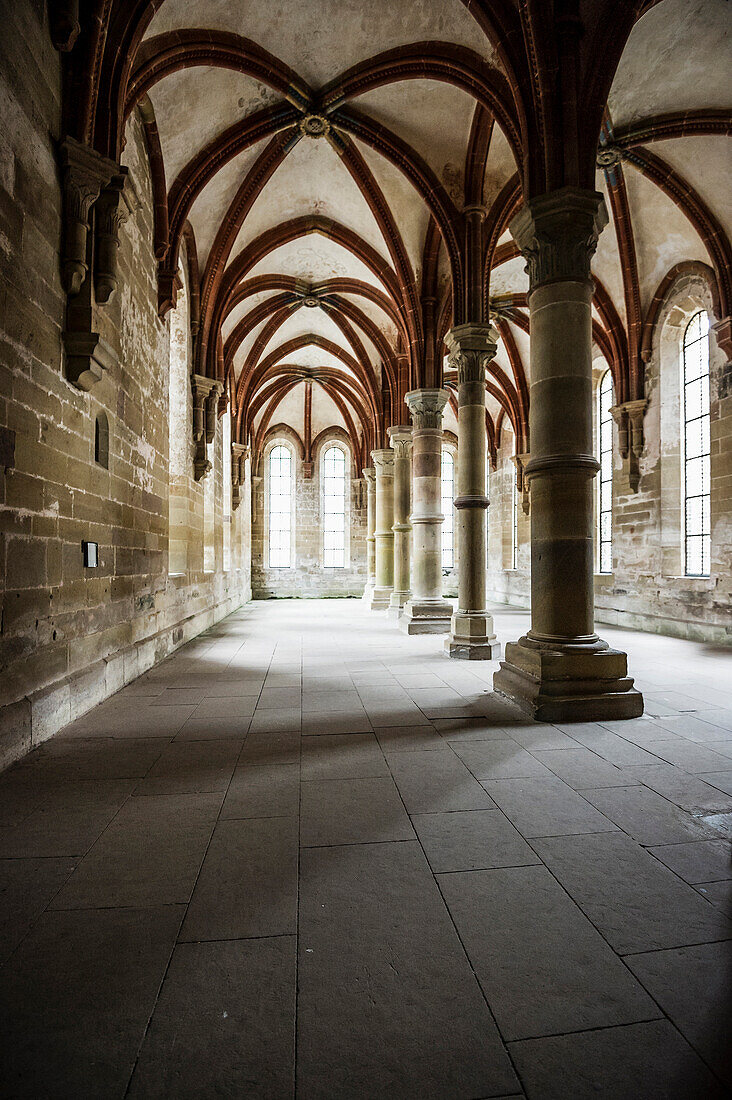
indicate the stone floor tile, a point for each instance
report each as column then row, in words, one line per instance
column 26, row 888
column 52, row 832
column 134, row 720
column 235, row 706
column 635, row 902
column 687, row 791
column 333, row 702
column 409, row 738
column 539, row 737
column 691, row 757
column 224, row 1024
column 436, row 781
column 721, row 780
column 384, row 1012
column 471, row 840
column 352, row 811
column 691, row 984
column 649, row 1060
column 192, row 767
column 75, row 999
column 395, row 716
column 699, row 727
column 644, row 732
column 544, row 969
column 470, row 729
column 343, row 756
column 233, row 689
column 610, row 746
column 247, row 885
column 271, row 748
column 581, row 767
column 718, row 894
column 280, row 698
column 62, row 759
column 321, row 724
column 700, row 861
column 269, row 790
column 177, row 697
column 546, row 807
column 281, row 720
column 213, row 729
column 498, row 760
column 646, row 816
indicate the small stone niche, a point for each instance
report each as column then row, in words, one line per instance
column 101, row 440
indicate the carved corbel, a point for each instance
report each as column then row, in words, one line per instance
column 111, row 212
column 629, row 420
column 63, row 20
column 239, row 454
column 521, row 461
column 202, row 388
column 85, row 173
column 168, row 287
column 212, row 409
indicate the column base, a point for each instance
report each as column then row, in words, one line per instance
column 396, row 604
column 379, row 598
column 582, row 683
column 472, row 638
column 368, row 593
column 425, row 617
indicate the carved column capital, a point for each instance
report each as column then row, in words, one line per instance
column 521, row 461
column 369, row 474
column 205, row 392
column 426, row 408
column 239, row 455
column 470, row 348
column 84, row 172
column 384, row 461
column 629, row 419
column 400, row 437
column 111, row 213
column 557, row 234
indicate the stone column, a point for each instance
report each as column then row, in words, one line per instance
column 561, row 670
column 401, row 441
column 426, row 612
column 384, row 536
column 472, row 636
column 370, row 479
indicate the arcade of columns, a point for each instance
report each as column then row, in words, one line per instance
column 561, row 669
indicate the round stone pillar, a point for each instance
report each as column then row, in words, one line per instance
column 370, row 478
column 384, row 464
column 401, row 442
column 561, row 670
column 471, row 348
column 426, row 612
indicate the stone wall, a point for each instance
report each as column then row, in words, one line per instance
column 308, row 577
column 70, row 635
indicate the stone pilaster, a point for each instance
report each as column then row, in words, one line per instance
column 629, row 420
column 370, row 478
column 239, row 455
column 384, row 464
column 471, row 348
column 561, row 670
column 426, row 612
column 205, row 399
column 401, row 442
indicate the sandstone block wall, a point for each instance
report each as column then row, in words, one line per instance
column 70, row 635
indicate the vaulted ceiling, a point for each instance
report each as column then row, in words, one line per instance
column 312, row 165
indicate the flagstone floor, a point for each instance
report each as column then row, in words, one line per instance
column 310, row 856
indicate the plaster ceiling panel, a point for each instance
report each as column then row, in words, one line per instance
column 606, row 261
column 245, row 347
column 522, row 341
column 305, row 321
column 500, row 166
column 433, row 118
column 194, row 105
column 663, row 235
column 232, row 319
column 678, row 56
column 321, row 40
column 290, row 411
column 325, row 411
column 313, row 357
column 505, row 237
column 375, row 314
column 315, row 258
column 705, row 163
column 449, row 420
column 407, row 207
column 311, row 180
column 510, row 278
column 211, row 205
column 492, row 406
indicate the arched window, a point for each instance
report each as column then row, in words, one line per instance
column 605, row 402
column 280, row 492
column 696, row 447
column 333, row 468
column 226, row 474
column 448, row 498
column 101, row 440
column 514, row 510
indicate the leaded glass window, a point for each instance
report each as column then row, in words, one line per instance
column 695, row 419
column 334, row 508
column 448, row 521
column 605, row 479
column 280, row 507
